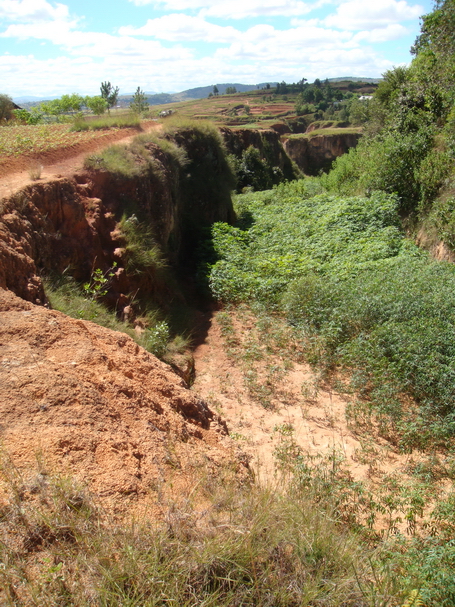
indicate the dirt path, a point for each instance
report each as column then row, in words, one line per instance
column 15, row 174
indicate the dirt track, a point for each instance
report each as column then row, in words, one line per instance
column 64, row 162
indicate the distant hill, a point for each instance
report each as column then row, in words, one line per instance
column 200, row 92
column 355, row 79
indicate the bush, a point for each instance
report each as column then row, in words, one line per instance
column 389, row 162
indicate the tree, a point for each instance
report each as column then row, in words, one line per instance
column 25, row 117
column 67, row 103
column 139, row 103
column 97, row 104
column 109, row 93
column 71, row 103
column 52, row 107
column 231, row 90
column 6, row 108
column 216, row 92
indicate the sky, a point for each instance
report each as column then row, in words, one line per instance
column 50, row 48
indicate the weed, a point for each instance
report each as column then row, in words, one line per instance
column 65, row 295
column 35, row 171
column 98, row 285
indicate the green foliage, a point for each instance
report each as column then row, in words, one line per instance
column 429, row 565
column 109, row 93
column 279, row 246
column 433, row 171
column 390, row 162
column 142, row 253
column 83, row 302
column 6, row 108
column 121, row 121
column 116, row 159
column 98, row 105
column 139, row 104
column 64, row 105
column 358, row 294
column 99, row 283
column 442, row 217
column 26, row 117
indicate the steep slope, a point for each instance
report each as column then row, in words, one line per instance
column 88, row 402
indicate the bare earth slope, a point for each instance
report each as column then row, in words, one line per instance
column 91, row 403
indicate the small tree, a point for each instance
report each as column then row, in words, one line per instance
column 109, row 93
column 6, row 108
column 97, row 104
column 71, row 103
column 139, row 103
column 216, row 92
column 52, row 107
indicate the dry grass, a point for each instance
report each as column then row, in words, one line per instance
column 218, row 544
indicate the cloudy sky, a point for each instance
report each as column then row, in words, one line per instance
column 51, row 48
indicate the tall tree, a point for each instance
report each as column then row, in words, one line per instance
column 109, row 93
column 139, row 103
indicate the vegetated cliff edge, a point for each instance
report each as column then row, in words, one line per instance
column 72, row 225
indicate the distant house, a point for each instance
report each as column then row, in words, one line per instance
column 16, row 107
column 365, row 97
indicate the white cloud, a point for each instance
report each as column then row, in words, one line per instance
column 241, row 9
column 237, row 9
column 32, row 10
column 384, row 34
column 179, row 27
column 360, row 15
column 264, row 43
column 158, row 56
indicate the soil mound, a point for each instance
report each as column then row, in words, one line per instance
column 89, row 402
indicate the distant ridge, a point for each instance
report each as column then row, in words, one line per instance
column 199, row 92
column 355, row 79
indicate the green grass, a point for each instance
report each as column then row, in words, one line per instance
column 326, row 131
column 68, row 297
column 120, row 121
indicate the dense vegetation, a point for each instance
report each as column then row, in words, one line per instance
column 409, row 126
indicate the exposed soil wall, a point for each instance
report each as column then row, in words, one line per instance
column 70, row 224
column 268, row 143
column 317, row 153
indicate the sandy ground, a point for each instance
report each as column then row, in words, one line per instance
column 317, row 419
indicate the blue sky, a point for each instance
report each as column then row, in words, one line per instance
column 51, row 48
